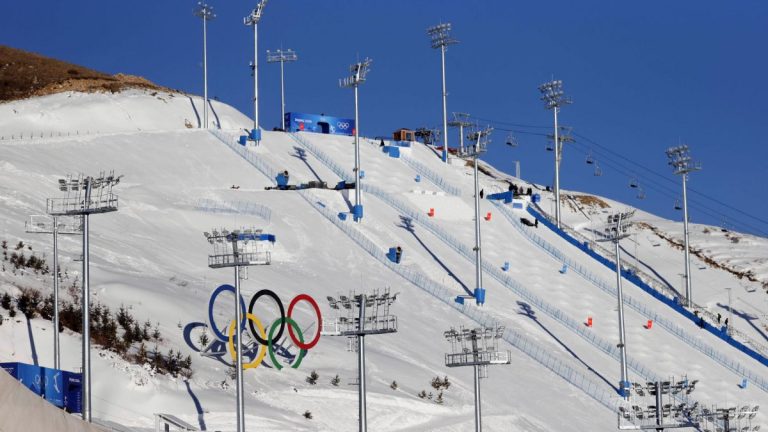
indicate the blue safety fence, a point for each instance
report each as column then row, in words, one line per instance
column 610, row 288
column 569, row 371
column 631, row 275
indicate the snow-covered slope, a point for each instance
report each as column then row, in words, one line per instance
column 151, row 255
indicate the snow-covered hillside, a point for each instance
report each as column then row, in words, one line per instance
column 151, row 256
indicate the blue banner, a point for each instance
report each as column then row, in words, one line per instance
column 300, row 122
column 73, row 392
column 54, row 386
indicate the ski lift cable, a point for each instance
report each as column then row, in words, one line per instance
column 703, row 195
column 695, row 204
column 608, row 154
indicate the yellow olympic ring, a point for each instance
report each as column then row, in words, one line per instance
column 231, row 345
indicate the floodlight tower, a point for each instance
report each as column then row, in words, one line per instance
column 232, row 249
column 661, row 405
column 730, row 419
column 253, row 20
column 361, row 315
column 616, row 229
column 282, row 56
column 460, row 120
column 205, row 12
column 41, row 224
column 441, row 39
column 479, row 348
column 553, row 96
column 85, row 196
column 682, row 164
column 481, row 138
column 358, row 71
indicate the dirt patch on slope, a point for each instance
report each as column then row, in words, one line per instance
column 24, row 74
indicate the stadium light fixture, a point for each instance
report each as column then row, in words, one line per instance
column 659, row 405
column 553, row 96
column 617, row 228
column 479, row 348
column 236, row 249
column 85, row 196
column 43, row 224
column 440, row 38
column 682, row 164
column 205, row 12
column 253, row 20
column 361, row 315
column 358, row 72
column 282, row 56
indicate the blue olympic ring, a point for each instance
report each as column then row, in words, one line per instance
column 226, row 287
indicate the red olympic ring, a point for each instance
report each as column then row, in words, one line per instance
column 311, row 301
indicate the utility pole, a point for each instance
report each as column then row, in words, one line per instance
column 205, row 12
column 282, row 56
column 358, row 72
column 85, row 196
column 441, row 39
column 553, row 96
column 253, row 20
column 682, row 165
column 616, row 229
column 55, row 225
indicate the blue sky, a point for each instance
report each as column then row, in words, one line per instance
column 643, row 75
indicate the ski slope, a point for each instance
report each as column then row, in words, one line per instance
column 151, row 255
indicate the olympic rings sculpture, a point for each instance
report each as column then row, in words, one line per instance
column 266, row 338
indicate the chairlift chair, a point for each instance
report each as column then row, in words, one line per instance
column 511, row 141
column 677, row 205
column 633, row 183
column 640, row 193
column 598, row 170
column 590, row 160
column 550, row 147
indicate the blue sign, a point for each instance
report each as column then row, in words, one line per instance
column 61, row 388
column 54, row 386
column 32, row 377
column 73, row 392
column 300, row 122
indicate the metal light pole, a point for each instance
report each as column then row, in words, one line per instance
column 460, row 120
column 479, row 348
column 358, row 71
column 85, row 196
column 40, row 224
column 616, row 229
column 205, row 12
column 481, row 138
column 682, row 164
column 730, row 314
column 441, row 39
column 553, row 96
column 282, row 56
column 231, row 249
column 372, row 318
column 253, row 20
